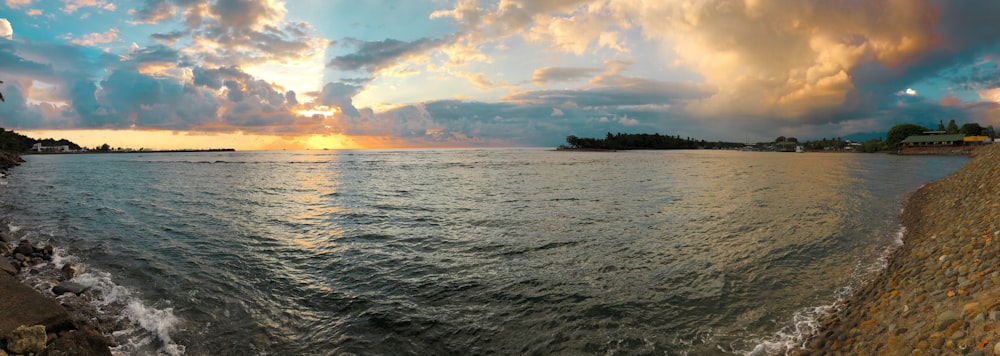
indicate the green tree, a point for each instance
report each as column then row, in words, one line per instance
column 952, row 127
column 971, row 129
column 940, row 125
column 780, row 139
column 900, row 132
column 573, row 141
column 104, row 148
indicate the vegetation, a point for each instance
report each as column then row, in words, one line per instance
column 644, row 142
column 14, row 142
column 973, row 129
column 900, row 132
column 952, row 127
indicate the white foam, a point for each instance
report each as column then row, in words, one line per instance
column 146, row 327
column 805, row 323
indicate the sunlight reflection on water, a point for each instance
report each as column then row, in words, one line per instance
column 475, row 251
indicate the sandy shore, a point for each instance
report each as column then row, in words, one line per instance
column 940, row 294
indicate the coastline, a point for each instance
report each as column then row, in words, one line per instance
column 34, row 321
column 940, row 292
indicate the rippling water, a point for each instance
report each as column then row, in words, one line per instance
column 509, row 251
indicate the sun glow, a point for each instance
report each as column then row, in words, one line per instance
column 171, row 140
column 326, row 111
column 330, row 142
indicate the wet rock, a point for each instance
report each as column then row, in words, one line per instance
column 20, row 257
column 6, row 237
column 6, row 266
column 25, row 248
column 23, row 305
column 27, row 339
column 83, row 342
column 69, row 271
column 69, row 287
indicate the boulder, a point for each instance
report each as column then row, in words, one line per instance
column 6, row 237
column 69, row 287
column 83, row 342
column 69, row 271
column 6, row 266
column 22, row 305
column 25, row 248
column 27, row 339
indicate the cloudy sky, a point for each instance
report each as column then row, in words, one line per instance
column 262, row 74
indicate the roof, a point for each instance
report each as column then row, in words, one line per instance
column 934, row 138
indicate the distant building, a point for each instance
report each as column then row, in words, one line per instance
column 934, row 140
column 39, row 148
column 941, row 139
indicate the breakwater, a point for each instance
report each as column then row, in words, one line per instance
column 940, row 293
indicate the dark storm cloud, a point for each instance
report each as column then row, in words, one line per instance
column 374, row 55
column 563, row 74
column 617, row 91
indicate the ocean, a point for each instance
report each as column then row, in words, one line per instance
column 466, row 251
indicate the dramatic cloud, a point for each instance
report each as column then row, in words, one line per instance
column 234, row 31
column 6, row 31
column 549, row 74
column 502, row 72
column 374, row 55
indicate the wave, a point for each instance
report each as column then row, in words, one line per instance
column 136, row 327
column 806, row 322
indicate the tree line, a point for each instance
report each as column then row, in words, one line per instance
column 654, row 141
column 14, row 142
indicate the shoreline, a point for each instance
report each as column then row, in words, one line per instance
column 31, row 320
column 940, row 292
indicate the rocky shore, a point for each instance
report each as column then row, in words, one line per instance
column 33, row 322
column 9, row 160
column 940, row 293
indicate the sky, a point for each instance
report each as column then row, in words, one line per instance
column 271, row 74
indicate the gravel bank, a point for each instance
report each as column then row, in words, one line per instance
column 940, row 294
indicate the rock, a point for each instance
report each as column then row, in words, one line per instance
column 69, row 287
column 6, row 237
column 20, row 257
column 83, row 342
column 27, row 339
column 25, row 248
column 22, row 305
column 6, row 266
column 69, row 271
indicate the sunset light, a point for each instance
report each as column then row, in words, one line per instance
column 281, row 74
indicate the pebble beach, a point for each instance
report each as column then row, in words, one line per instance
column 940, row 293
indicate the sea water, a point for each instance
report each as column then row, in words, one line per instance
column 466, row 251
